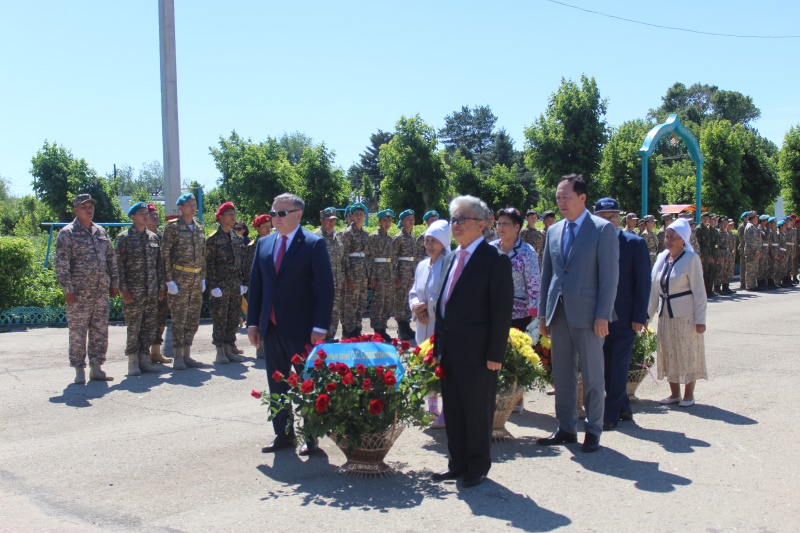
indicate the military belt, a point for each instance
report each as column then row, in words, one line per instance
column 357, row 254
column 187, row 269
column 765, row 244
column 383, row 259
column 782, row 249
column 405, row 258
column 774, row 244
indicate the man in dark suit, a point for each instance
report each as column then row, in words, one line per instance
column 580, row 270
column 630, row 306
column 291, row 299
column 473, row 317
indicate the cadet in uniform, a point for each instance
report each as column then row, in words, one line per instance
column 762, row 261
column 740, row 249
column 428, row 218
column 650, row 237
column 727, row 253
column 381, row 277
column 533, row 236
column 666, row 220
column 772, row 252
column 752, row 252
column 224, row 275
column 184, row 253
column 86, row 269
column 781, row 270
column 356, row 267
column 404, row 250
column 161, row 314
column 630, row 223
column 141, row 281
column 792, row 250
column 490, row 233
column 707, row 257
column 327, row 230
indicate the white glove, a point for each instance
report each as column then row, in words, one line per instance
column 203, row 285
column 216, row 293
column 172, row 287
column 242, row 289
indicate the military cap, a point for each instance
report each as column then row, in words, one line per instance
column 529, row 213
column 135, row 207
column 151, row 207
column 794, row 217
column 404, row 214
column 631, row 216
column 226, row 206
column 763, row 217
column 746, row 213
column 548, row 214
column 666, row 216
column 705, row 214
column 328, row 213
column 385, row 213
column 713, row 215
column 771, row 219
column 185, row 198
column 358, row 205
column 82, row 199
column 261, row 219
column 649, row 218
column 781, row 223
column 751, row 214
column 641, row 222
column 605, row 204
column 348, row 210
column 430, row 214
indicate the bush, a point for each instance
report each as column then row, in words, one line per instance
column 16, row 259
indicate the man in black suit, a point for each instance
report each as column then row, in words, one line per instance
column 630, row 307
column 291, row 299
column 473, row 317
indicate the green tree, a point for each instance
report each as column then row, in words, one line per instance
column 760, row 176
column 503, row 189
column 721, row 145
column 700, row 102
column 368, row 160
column 503, row 152
column 367, row 189
column 472, row 132
column 463, row 177
column 151, row 178
column 569, row 136
column 678, row 181
column 621, row 169
column 789, row 163
column 294, row 144
column 415, row 173
column 321, row 185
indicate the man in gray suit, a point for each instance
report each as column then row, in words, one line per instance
column 580, row 270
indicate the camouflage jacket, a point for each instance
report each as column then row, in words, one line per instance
column 752, row 240
column 660, row 239
column 354, row 241
column 224, row 259
column 534, row 237
column 184, row 247
column 139, row 260
column 652, row 243
column 404, row 245
column 85, row 259
column 335, row 249
column 380, row 246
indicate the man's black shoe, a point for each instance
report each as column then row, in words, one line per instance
column 279, row 444
column 626, row 416
column 447, row 474
column 608, row 426
column 471, row 481
column 591, row 443
column 308, row 448
column 558, row 437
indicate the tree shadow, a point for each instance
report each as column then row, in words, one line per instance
column 521, row 448
column 531, row 419
column 645, row 474
column 232, row 370
column 711, row 412
column 493, row 500
column 75, row 395
column 671, row 441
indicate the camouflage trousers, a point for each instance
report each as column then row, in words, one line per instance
column 769, row 270
column 380, row 308
column 779, row 270
column 742, row 268
column 185, row 308
column 226, row 312
column 337, row 311
column 88, row 317
column 405, row 273
column 724, row 268
column 141, row 318
column 161, row 321
column 762, row 262
column 709, row 271
column 355, row 303
column 749, row 271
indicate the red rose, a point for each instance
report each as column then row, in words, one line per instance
column 546, row 351
column 342, row 369
column 431, row 339
column 319, row 364
column 416, row 351
column 347, row 379
column 430, row 352
column 377, row 337
column 296, row 359
column 375, row 407
column 405, row 345
column 307, row 386
column 379, row 371
column 361, row 369
column 330, row 387
column 255, row 394
column 307, row 349
column 440, row 372
column 367, row 385
column 321, row 341
column 322, row 355
column 322, row 402
column 395, row 342
column 344, row 341
column 332, row 367
column 277, row 376
column 389, row 379
column 293, row 380
column 429, row 360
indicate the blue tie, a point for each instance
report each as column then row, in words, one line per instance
column 570, row 239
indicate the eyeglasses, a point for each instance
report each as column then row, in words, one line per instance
column 460, row 220
column 504, row 224
column 281, row 214
column 237, row 228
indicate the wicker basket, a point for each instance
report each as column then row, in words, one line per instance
column 635, row 378
column 366, row 459
column 503, row 406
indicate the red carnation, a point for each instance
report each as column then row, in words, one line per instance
column 429, row 360
column 296, row 359
column 417, row 349
column 255, row 394
column 347, row 379
column 321, row 341
column 361, row 369
column 293, row 380
column 440, row 372
column 389, row 379
column 322, row 355
column 344, row 341
column 375, row 407
column 330, row 387
column 405, row 345
column 319, row 364
column 277, row 376
column 307, row 386
column 342, row 369
column 379, row 371
column 322, row 402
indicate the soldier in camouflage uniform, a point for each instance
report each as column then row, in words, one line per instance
column 650, row 238
column 693, row 236
column 327, row 220
column 489, row 233
column 792, row 248
column 727, row 252
column 772, row 252
column 740, row 250
column 630, row 223
column 153, row 221
column 404, row 252
column 765, row 248
column 381, row 277
column 86, row 269
column 356, row 266
column 752, row 252
column 428, row 218
column 533, row 236
column 666, row 220
column 184, row 253
column 707, row 253
column 781, row 268
column 141, row 280
column 225, row 278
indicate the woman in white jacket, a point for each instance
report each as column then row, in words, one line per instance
column 678, row 294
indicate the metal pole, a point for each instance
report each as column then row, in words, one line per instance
column 169, row 105
column 644, row 185
column 698, row 191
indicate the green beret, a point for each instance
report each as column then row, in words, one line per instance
column 385, row 213
column 135, row 207
column 429, row 214
column 185, row 198
column 404, row 214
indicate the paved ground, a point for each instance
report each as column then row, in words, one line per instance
column 182, row 452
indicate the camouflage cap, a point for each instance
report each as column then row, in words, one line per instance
column 328, row 213
column 547, row 214
column 649, row 218
column 82, row 199
column 631, row 216
column 666, row 216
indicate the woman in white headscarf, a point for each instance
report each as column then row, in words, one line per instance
column 678, row 294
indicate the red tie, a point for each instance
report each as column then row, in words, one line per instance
column 462, row 256
column 278, row 261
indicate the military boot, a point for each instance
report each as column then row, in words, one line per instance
column 786, row 282
column 156, row 357
column 96, row 373
column 232, row 354
column 761, row 284
column 178, row 364
column 382, row 332
column 771, row 284
column 726, row 289
column 236, row 349
column 80, row 376
column 402, row 330
column 145, row 365
column 133, row 366
column 187, row 358
column 222, row 358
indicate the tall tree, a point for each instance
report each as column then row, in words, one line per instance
column 462, row 176
column 294, row 144
column 321, row 184
column 368, row 160
column 151, row 178
column 789, row 162
column 472, row 132
column 760, row 176
column 569, row 136
column 503, row 150
column 722, row 170
column 415, row 173
column 503, row 189
column 700, row 102
column 678, row 181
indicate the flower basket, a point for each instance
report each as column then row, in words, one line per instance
column 366, row 458
column 504, row 404
column 635, row 378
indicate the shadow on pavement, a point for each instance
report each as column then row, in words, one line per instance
column 530, row 419
column 518, row 510
column 232, row 370
column 75, row 395
column 710, row 412
column 671, row 441
column 645, row 473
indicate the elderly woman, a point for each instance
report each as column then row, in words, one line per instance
column 678, row 293
column 425, row 292
column 524, row 266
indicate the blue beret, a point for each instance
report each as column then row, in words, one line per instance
column 385, row 213
column 744, row 214
column 358, row 205
column 403, row 215
column 781, row 223
column 606, row 204
column 185, row 198
column 135, row 207
column 771, row 219
column 348, row 210
column 429, row 214
column 763, row 217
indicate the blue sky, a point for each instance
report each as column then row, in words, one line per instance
column 85, row 73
